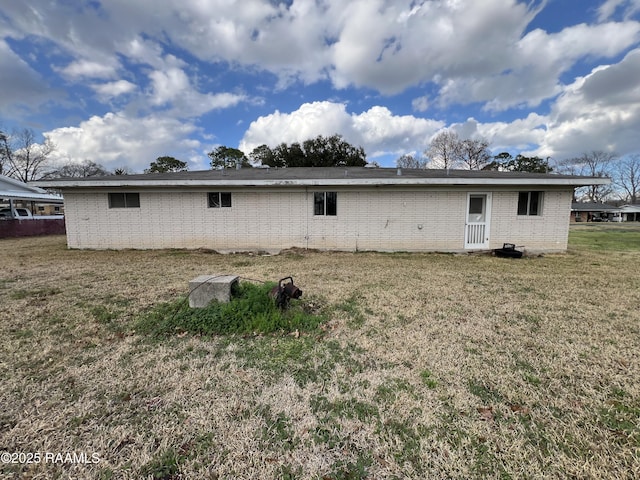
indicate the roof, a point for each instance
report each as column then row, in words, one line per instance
column 323, row 176
column 593, row 207
column 630, row 208
column 13, row 189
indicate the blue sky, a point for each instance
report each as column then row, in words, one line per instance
column 121, row 82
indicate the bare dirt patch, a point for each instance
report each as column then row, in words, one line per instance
column 430, row 366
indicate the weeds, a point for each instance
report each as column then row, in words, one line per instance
column 163, row 467
column 35, row 293
column 427, row 378
column 353, row 309
column 250, row 311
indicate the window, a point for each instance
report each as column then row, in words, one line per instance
column 325, row 203
column 530, row 203
column 476, row 205
column 124, row 200
column 219, row 199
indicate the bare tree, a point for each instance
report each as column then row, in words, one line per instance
column 24, row 159
column 474, row 154
column 122, row 171
column 86, row 168
column 5, row 153
column 596, row 163
column 628, row 177
column 444, row 150
column 409, row 161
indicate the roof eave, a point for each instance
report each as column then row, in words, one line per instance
column 33, row 197
column 442, row 181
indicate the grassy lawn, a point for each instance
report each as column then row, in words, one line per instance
column 427, row 366
column 621, row 237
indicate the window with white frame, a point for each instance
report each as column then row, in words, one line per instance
column 530, row 203
column 325, row 203
column 219, row 199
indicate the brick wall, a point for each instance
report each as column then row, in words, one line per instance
column 373, row 219
column 546, row 232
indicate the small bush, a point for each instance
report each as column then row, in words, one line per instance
column 251, row 310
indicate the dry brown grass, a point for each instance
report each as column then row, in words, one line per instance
column 431, row 366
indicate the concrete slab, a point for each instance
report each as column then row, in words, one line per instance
column 206, row 288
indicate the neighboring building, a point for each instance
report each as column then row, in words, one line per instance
column 49, row 209
column 18, row 201
column 14, row 192
column 321, row 208
column 630, row 213
column 594, row 212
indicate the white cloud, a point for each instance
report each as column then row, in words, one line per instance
column 116, row 139
column 168, row 85
column 113, row 89
column 377, row 130
column 174, row 87
column 600, row 111
column 147, row 52
column 170, row 60
column 520, row 134
column 609, row 8
column 89, row 69
column 476, row 51
column 533, row 69
column 420, row 104
column 434, row 39
column 20, row 85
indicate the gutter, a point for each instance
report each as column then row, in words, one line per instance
column 402, row 181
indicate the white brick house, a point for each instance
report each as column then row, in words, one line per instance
column 320, row 208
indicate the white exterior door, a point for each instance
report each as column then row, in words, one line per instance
column 476, row 232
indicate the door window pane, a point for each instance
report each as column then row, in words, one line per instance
column 476, row 205
column 476, row 208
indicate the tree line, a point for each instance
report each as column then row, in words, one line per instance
column 25, row 159
column 447, row 150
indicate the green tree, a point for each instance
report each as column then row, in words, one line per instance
column 291, row 156
column 332, row 151
column 166, row 164
column 227, row 157
column 320, row 151
column 506, row 162
column 263, row 155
